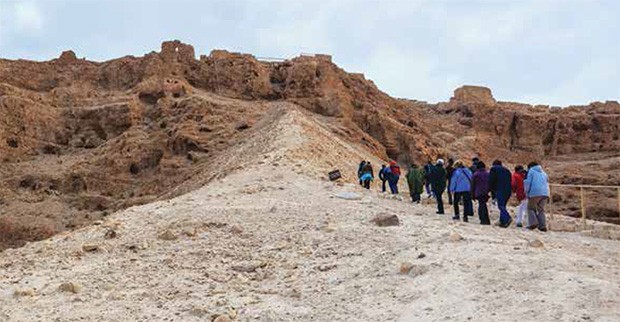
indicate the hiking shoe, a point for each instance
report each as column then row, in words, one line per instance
column 544, row 229
column 440, row 213
column 465, row 219
column 520, row 225
column 532, row 227
column 506, row 225
column 456, row 218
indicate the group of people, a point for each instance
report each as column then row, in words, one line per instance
column 389, row 174
column 466, row 184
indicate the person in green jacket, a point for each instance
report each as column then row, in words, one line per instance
column 415, row 180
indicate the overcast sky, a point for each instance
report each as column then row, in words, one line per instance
column 536, row 51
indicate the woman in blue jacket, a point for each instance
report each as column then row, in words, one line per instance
column 537, row 191
column 460, row 186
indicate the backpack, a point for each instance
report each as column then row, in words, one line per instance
column 395, row 169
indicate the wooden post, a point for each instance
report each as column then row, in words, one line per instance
column 618, row 200
column 583, row 207
column 550, row 195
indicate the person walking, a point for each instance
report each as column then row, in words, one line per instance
column 427, row 172
column 518, row 177
column 415, row 181
column 359, row 171
column 394, row 177
column 437, row 179
column 382, row 177
column 460, row 186
column 537, row 192
column 480, row 188
column 449, row 171
column 500, row 185
column 367, row 175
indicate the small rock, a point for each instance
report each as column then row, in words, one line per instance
column 110, row 234
column 536, row 243
column 248, row 267
column 412, row 270
column 24, row 292
column 242, row 126
column 417, row 270
column 405, row 268
column 237, row 230
column 422, row 255
column 326, row 267
column 190, row 232
column 70, row 287
column 198, row 311
column 223, row 318
column 167, row 235
column 329, row 229
column 386, row 220
column 454, row 236
column 90, row 247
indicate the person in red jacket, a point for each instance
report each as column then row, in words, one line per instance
column 519, row 190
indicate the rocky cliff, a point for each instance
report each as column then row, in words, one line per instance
column 80, row 139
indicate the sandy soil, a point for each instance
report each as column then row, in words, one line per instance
column 273, row 242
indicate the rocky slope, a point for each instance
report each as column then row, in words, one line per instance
column 271, row 242
column 80, row 139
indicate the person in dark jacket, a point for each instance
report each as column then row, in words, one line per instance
column 500, row 185
column 382, row 177
column 367, row 175
column 415, row 181
column 480, row 187
column 449, row 171
column 437, row 179
column 427, row 184
column 359, row 171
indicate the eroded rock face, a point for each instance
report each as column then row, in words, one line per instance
column 86, row 138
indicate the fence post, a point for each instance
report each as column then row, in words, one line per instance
column 583, row 207
column 618, row 200
column 550, row 195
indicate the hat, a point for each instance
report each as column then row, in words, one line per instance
column 458, row 163
column 439, row 161
column 392, row 162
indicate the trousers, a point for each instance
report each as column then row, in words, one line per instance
column 536, row 212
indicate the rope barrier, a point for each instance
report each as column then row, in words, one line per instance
column 582, row 196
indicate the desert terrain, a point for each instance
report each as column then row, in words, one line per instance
column 170, row 187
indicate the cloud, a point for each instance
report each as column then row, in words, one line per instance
column 28, row 17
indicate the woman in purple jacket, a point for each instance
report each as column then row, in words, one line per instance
column 480, row 188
